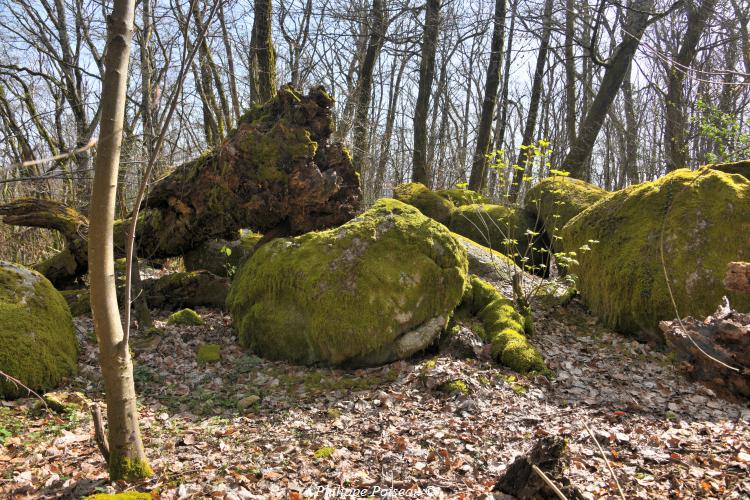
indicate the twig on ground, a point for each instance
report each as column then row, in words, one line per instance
column 606, row 462
column 17, row 383
column 99, row 436
column 549, row 482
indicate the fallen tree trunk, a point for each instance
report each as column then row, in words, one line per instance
column 737, row 278
column 725, row 337
column 276, row 173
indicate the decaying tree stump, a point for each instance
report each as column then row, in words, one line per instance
column 276, row 173
column 738, row 277
column 521, row 481
column 725, row 336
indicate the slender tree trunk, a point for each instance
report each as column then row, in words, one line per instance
column 364, row 87
column 631, row 131
column 536, row 96
column 636, row 22
column 385, row 149
column 426, row 75
column 502, row 118
column 236, row 110
column 570, row 71
column 263, row 54
column 675, row 123
column 127, row 457
column 478, row 177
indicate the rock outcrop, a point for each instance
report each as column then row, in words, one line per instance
column 378, row 288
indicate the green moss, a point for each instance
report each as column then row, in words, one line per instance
column 185, row 317
column 555, row 200
column 621, row 278
column 208, row 353
column 505, row 229
column 460, row 197
column 127, row 469
column 503, row 327
column 324, row 452
column 387, row 272
column 454, row 387
column 37, row 337
column 428, row 202
column 128, row 495
column 222, row 257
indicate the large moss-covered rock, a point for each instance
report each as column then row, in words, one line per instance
column 428, row 202
column 438, row 204
column 506, row 229
column 37, row 338
column 378, row 288
column 222, row 257
column 706, row 220
column 555, row 200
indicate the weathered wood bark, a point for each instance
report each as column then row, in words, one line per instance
column 478, row 177
column 524, row 160
column 127, row 456
column 726, row 337
column 426, row 75
column 737, row 278
column 675, row 121
column 277, row 173
column 637, row 20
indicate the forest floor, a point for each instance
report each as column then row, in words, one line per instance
column 301, row 430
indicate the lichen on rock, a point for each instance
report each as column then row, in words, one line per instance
column 368, row 292
column 705, row 216
column 37, row 337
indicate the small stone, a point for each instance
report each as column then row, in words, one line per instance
column 247, row 402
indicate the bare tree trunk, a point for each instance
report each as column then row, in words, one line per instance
column 536, row 96
column 127, row 457
column 385, row 149
column 631, row 131
column 364, row 87
column 478, row 177
column 263, row 54
column 426, row 75
column 502, row 118
column 236, row 110
column 675, row 123
column 637, row 20
column 570, row 72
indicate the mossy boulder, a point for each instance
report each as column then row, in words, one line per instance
column 185, row 317
column 222, row 257
column 503, row 327
column 705, row 216
column 426, row 201
column 380, row 287
column 37, row 337
column 508, row 230
column 555, row 200
column 438, row 204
